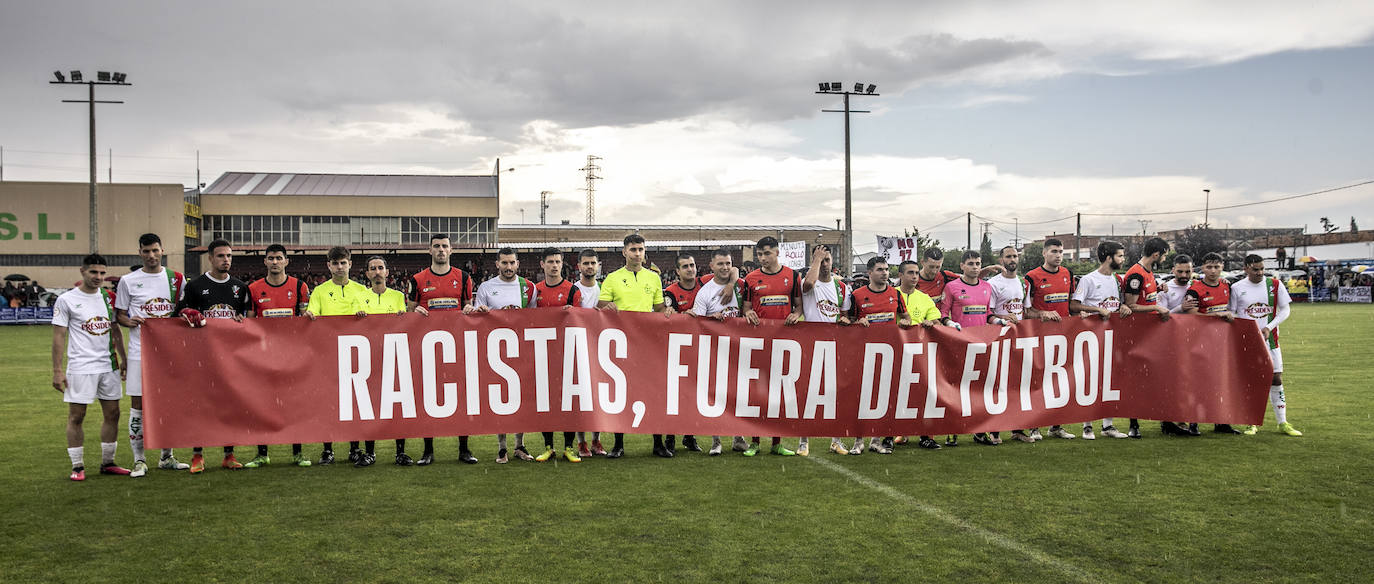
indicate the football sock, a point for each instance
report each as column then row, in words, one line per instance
column 658, row 441
column 329, row 446
column 777, row 441
column 596, row 436
column 371, row 446
column 228, row 450
column 802, row 442
column 198, row 450
column 754, row 439
column 1107, row 422
column 462, row 444
column 107, row 452
column 581, row 436
column 520, row 440
column 136, row 434
column 429, row 444
column 352, row 446
column 77, row 455
column 1279, row 403
column 262, row 449
column 548, row 440
column 567, row 439
column 400, row 446
column 619, row 441
column 166, row 452
column 501, row 441
column 295, row 449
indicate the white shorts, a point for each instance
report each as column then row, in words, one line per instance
column 133, row 381
column 85, row 388
column 1276, row 355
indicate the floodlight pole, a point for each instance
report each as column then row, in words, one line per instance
column 847, row 253
column 91, row 101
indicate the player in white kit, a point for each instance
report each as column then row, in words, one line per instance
column 1098, row 293
column 507, row 291
column 150, row 292
column 83, row 329
column 587, row 267
column 825, row 299
column 1265, row 300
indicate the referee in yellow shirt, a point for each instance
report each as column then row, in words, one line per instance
column 923, row 312
column 339, row 296
column 634, row 288
column 382, row 300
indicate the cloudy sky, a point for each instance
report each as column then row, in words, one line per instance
column 705, row 112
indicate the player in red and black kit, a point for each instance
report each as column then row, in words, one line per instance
column 932, row 278
column 878, row 304
column 278, row 295
column 774, row 292
column 1140, row 292
column 441, row 287
column 1213, row 296
column 1048, row 288
column 555, row 291
column 215, row 295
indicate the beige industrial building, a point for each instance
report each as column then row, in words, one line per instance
column 45, row 227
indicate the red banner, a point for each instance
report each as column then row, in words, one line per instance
column 285, row 380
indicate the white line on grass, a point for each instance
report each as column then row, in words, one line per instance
column 947, row 517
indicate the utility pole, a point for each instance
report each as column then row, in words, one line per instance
column 591, row 169
column 1206, row 208
column 969, row 230
column 1144, row 226
column 1078, row 236
column 102, row 78
column 543, row 206
column 1016, row 236
column 837, row 88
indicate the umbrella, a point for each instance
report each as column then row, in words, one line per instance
column 1361, row 269
column 1307, row 260
column 17, row 278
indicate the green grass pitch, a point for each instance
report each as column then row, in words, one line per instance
column 1209, row 509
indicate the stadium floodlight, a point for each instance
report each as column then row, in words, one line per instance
column 76, row 76
column 872, row 88
column 836, row 86
column 120, row 77
column 60, row 77
column 825, row 86
column 102, row 76
column 858, row 88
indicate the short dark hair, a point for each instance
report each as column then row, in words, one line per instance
column 902, row 266
column 677, row 263
column 723, row 252
column 337, row 252
column 92, row 260
column 216, row 244
column 434, row 236
column 1212, row 257
column 933, row 253
column 1182, row 258
column 1154, row 246
column 766, row 241
column 1253, row 259
column 551, row 251
column 376, row 257
column 970, row 254
column 633, row 238
column 148, row 239
column 1004, row 249
column 1052, row 241
column 875, row 260
column 587, row 253
column 1108, row 249
column 507, row 251
column 275, row 248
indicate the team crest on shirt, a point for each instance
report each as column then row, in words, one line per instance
column 236, row 289
column 96, row 326
column 1259, row 310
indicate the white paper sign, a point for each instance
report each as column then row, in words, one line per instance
column 792, row 254
column 1353, row 294
column 897, row 249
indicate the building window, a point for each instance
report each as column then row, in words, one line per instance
column 330, row 230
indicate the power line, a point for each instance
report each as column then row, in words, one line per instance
column 1025, row 222
column 1237, row 205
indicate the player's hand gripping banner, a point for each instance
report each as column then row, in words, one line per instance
column 288, row 380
